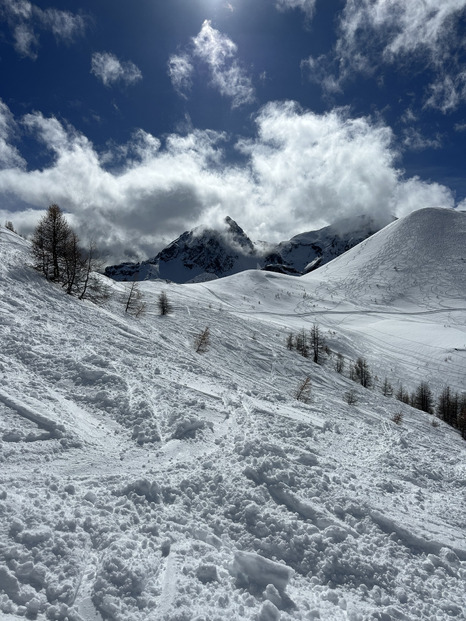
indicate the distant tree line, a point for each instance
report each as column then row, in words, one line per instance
column 449, row 407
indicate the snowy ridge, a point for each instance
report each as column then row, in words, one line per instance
column 320, row 247
column 187, row 486
column 205, row 254
column 420, row 259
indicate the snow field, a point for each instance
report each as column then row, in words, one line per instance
column 179, row 486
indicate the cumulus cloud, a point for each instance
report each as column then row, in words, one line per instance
column 373, row 32
column 111, row 71
column 219, row 53
column 180, row 70
column 301, row 170
column 26, row 20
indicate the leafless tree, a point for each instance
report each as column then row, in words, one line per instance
column 92, row 285
column 387, row 388
column 402, row 395
column 362, row 372
column 423, row 399
column 317, row 344
column 340, row 363
column 50, row 244
column 302, row 343
column 134, row 303
column 202, row 341
column 303, row 392
column 164, row 305
column 447, row 406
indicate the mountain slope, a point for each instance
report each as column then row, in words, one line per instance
column 142, row 481
column 420, row 259
column 320, row 247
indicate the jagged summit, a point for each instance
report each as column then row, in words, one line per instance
column 201, row 254
column 206, row 253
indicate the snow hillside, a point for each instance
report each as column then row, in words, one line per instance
column 140, row 480
column 418, row 261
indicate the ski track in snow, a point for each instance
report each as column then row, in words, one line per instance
column 140, row 481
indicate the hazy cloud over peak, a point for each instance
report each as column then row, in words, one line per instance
column 301, row 170
column 111, row 71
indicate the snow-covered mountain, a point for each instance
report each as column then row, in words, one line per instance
column 142, row 481
column 198, row 255
column 205, row 254
column 310, row 250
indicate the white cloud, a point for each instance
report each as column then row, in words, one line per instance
column 415, row 141
column 16, row 8
column 26, row 41
column 424, row 26
column 63, row 24
column 302, row 170
column 307, row 6
column 447, row 92
column 110, row 70
column 373, row 32
column 180, row 70
column 9, row 155
column 219, row 53
column 414, row 194
column 26, row 20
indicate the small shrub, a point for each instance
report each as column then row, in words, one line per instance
column 290, row 341
column 303, row 392
column 165, row 307
column 133, row 300
column 202, row 341
column 397, row 418
column 340, row 363
column 350, row 397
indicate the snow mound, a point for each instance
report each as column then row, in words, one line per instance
column 418, row 260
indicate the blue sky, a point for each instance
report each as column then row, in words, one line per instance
column 143, row 119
